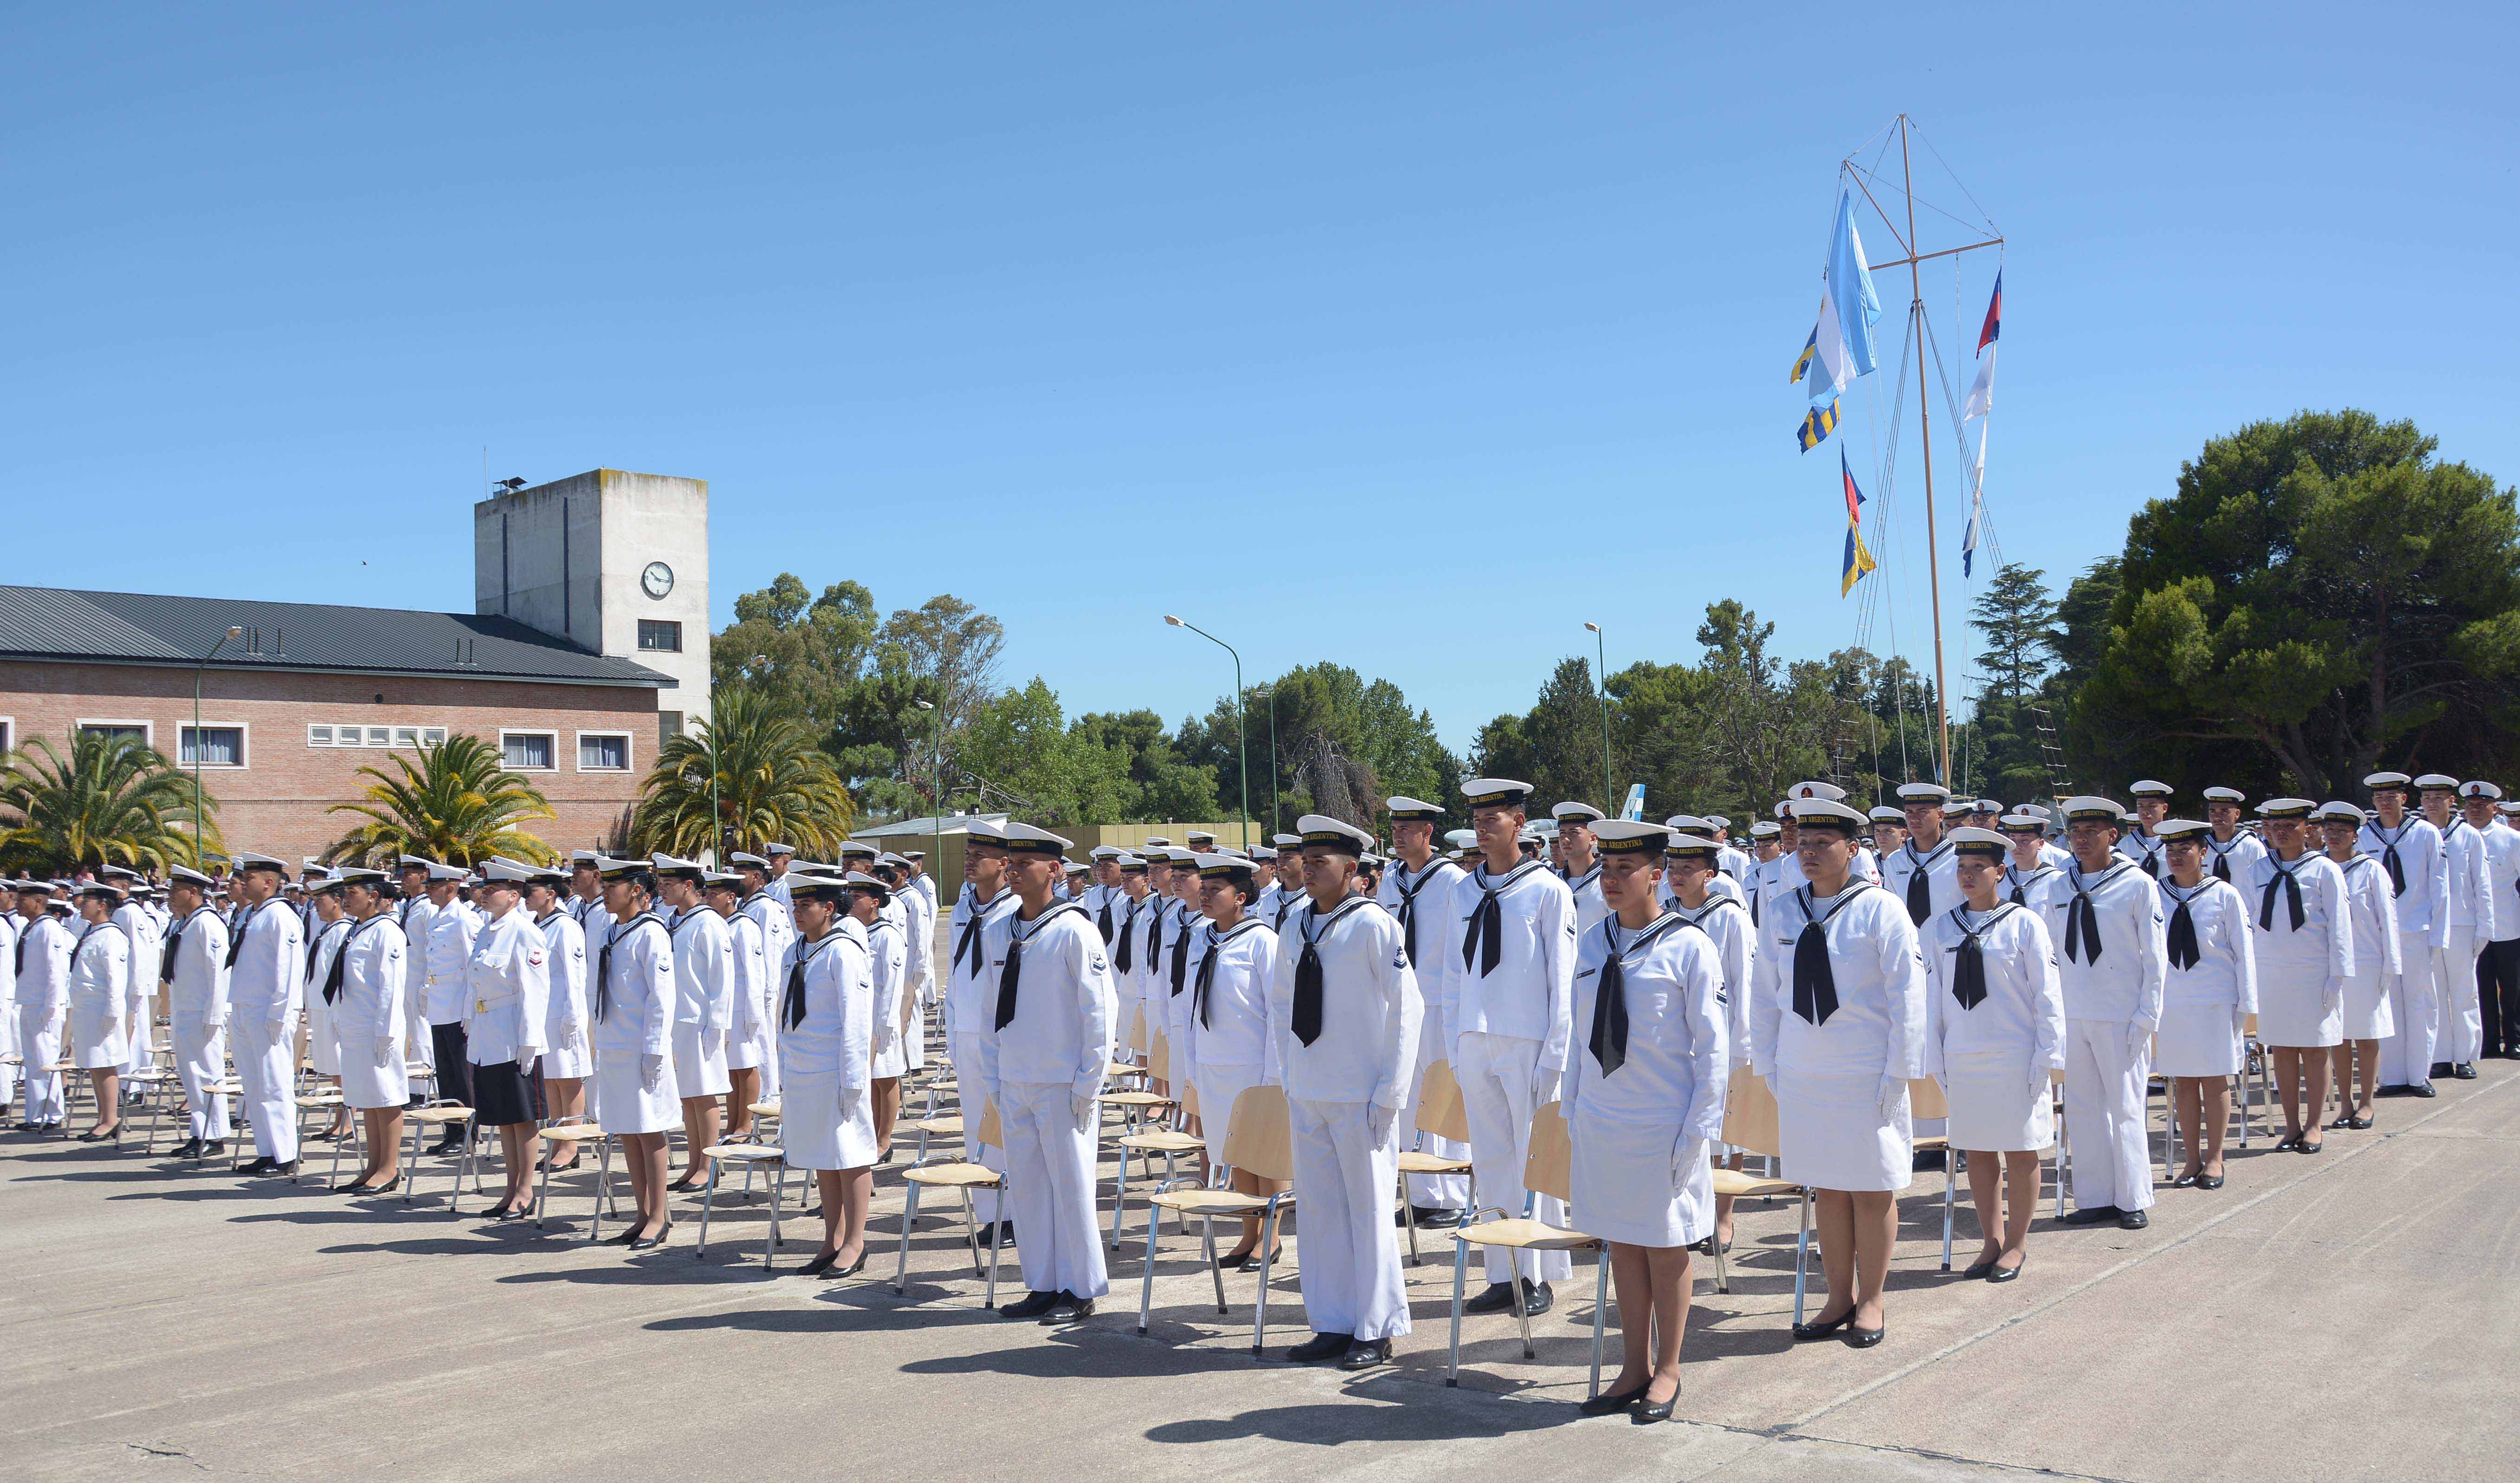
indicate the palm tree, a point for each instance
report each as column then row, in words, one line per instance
column 755, row 763
column 457, row 803
column 115, row 800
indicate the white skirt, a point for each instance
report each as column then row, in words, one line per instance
column 573, row 1061
column 751, row 1053
column 1218, row 1087
column 1832, row 1135
column 699, row 1075
column 891, row 1061
column 97, row 1039
column 323, row 1042
column 629, row 1107
column 2196, row 1040
column 812, row 1133
column 1620, row 1186
column 1993, row 1108
column 368, row 1086
column 2367, row 1013
column 2289, row 1014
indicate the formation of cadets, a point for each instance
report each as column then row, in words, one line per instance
column 1637, row 977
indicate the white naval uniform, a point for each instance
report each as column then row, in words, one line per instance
column 2474, row 913
column 197, row 1014
column 634, row 1028
column 2414, row 994
column 1992, row 1057
column 1783, row 876
column 322, row 1042
column 970, row 999
column 372, row 1018
column 2145, row 851
column 1229, row 1021
column 895, row 1010
column 1589, row 908
column 703, row 1002
column 919, row 973
column 148, row 936
column 827, row 1026
column 1183, row 924
column 442, row 955
column 567, row 1051
column 2232, row 862
column 1510, row 1031
column 753, row 1004
column 778, row 934
column 1127, row 946
column 2206, row 1004
column 2030, row 887
column 1039, row 1067
column 2500, row 849
column 1641, row 1129
column 266, row 987
column 2301, row 971
column 1841, row 1081
column 10, row 924
column 2372, row 908
column 1417, row 903
column 100, row 997
column 1725, row 922
column 2112, row 1006
column 507, row 993
column 43, row 996
column 1737, row 867
column 1941, row 868
column 415, row 916
column 1358, row 1060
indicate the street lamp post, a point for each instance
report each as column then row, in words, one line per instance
column 1241, row 719
column 1602, row 680
column 234, row 632
column 1277, row 818
column 935, row 795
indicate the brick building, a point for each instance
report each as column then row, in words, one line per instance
column 605, row 575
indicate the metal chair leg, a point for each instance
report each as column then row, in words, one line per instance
column 772, row 1244
column 1268, row 1258
column 708, row 1200
column 1951, row 1161
column 996, row 1243
column 1146, row 1285
column 1802, row 1258
column 1461, row 1277
column 602, row 1189
column 909, row 1214
column 1601, row 1309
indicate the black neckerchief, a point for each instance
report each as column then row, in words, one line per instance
column 1181, row 947
column 2082, row 919
column 1010, row 975
column 1609, row 1038
column 1920, row 889
column 603, row 960
column 1206, row 978
column 315, row 950
column 2389, row 851
column 2290, row 881
column 2021, row 881
column 166, row 957
column 795, row 1005
column 1306, row 1018
column 1485, row 937
column 236, row 944
column 1125, row 937
column 1408, row 904
column 969, row 940
column 1968, row 960
column 1815, row 981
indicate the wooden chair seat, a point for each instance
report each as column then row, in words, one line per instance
column 312, row 1099
column 1413, row 1162
column 745, row 1153
column 938, row 1127
column 1525, row 1236
column 1142, row 1100
column 1734, row 1183
column 1124, row 1068
column 440, row 1117
column 1163, row 1141
column 765, row 1109
column 568, row 1133
column 952, row 1175
column 1930, row 1145
column 1213, row 1202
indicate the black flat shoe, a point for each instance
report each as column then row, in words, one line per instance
column 2357, row 1124
column 1648, row 1413
column 2465, row 1070
column 356, row 1192
column 819, row 1265
column 1536, row 1299
column 2422, row 1089
column 497, row 1212
column 113, row 1135
column 624, row 1238
column 2092, row 1215
column 2006, row 1274
column 1864, row 1339
column 2209, row 1182
column 652, row 1243
column 1366, row 1354
column 2185, row 1180
column 1822, row 1329
column 1607, row 1402
column 834, row 1274
column 1433, row 1217
column 2288, row 1143
column 1320, row 1347
column 1975, row 1271
column 1031, row 1305
column 686, row 1184
column 2307, row 1146
column 190, row 1148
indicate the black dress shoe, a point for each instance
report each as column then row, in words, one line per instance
column 2465, row 1070
column 1005, row 1233
column 2287, row 1142
column 2185, row 1180
column 2440, row 1070
column 1821, row 1328
column 2092, row 1215
column 1648, row 1413
column 1864, row 1339
column 450, row 1148
column 2209, row 1182
column 1976, row 1271
column 1607, row 1402
column 2357, row 1124
column 213, row 1149
column 1067, row 1307
column 258, row 1168
column 1536, row 1299
column 2133, row 1220
column 624, row 1238
column 652, row 1243
column 819, row 1264
column 357, row 1191
column 834, row 1274
column 190, row 1148
column 1320, row 1347
column 1365, row 1354
column 2422, row 1089
column 279, row 1170
column 1430, row 1218
column 1031, row 1305
column 687, row 1183
column 2006, row 1274
column 1496, row 1297
column 497, row 1212
column 2305, row 1145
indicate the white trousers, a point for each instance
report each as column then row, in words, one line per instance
column 2105, row 1128
column 39, row 1040
column 8, row 1048
column 1431, row 1191
column 2414, row 1008
column 1497, row 1073
column 201, row 1060
column 1349, row 1255
column 139, row 1020
column 1050, row 1189
column 267, row 1085
column 966, row 1073
column 2461, row 1036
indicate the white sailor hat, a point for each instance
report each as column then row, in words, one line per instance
column 1826, row 791
column 2220, row 795
column 1630, row 836
column 1826, row 814
column 1223, row 866
column 1287, row 842
column 1884, row 812
column 358, row 874
column 721, row 880
column 746, row 857
column 1579, row 812
column 1492, row 793
column 1763, row 829
column 860, row 880
column 983, row 831
column 1263, row 854
column 1680, row 846
column 552, row 874
column 2387, row 779
column 250, row 860
column 1192, row 838
column 1688, row 822
column 1368, row 861
column 1924, row 792
column 2479, row 789
column 1335, row 835
column 2285, row 808
column 437, row 873
column 1719, row 821
column 913, row 854
column 2151, row 787
column 621, row 870
column 1458, row 838
column 1107, row 853
column 116, row 873
column 1079, row 867
column 1985, row 844
column 2437, row 780
column 1157, row 841
column 773, row 847
column 664, row 864
column 858, row 847
column 2082, row 808
column 584, row 857
column 1026, row 840
column 105, row 888
column 2169, row 830
column 1407, row 810
column 1785, row 809
column 188, row 875
column 2508, row 807
column 900, row 863
column 415, row 863
column 2338, row 812
column 2022, row 821
column 1133, row 863
column 1986, row 806
column 815, row 886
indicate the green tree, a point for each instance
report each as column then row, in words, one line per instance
column 1773, row 725
column 1344, row 744
column 1659, row 737
column 454, row 802
column 2017, row 618
column 1161, row 783
column 2317, row 593
column 752, row 773
column 113, row 800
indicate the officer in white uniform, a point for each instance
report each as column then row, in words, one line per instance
column 1233, row 965
column 2143, row 843
column 196, row 1008
column 1183, row 923
column 266, row 990
column 325, row 904
column 2305, row 947
column 1696, row 890
column 783, row 858
column 141, row 925
column 752, row 1002
column 1502, row 970
column 778, row 930
column 1044, row 1043
column 10, row 924
column 371, row 1016
column 585, row 900
column 2468, row 894
column 507, row 1015
column 2206, row 999
column 2105, row 919
column 415, row 913
column 970, row 993
column 827, row 1018
column 879, row 915
column 568, row 1053
column 635, row 1092
column 1417, row 890
column 2372, row 908
column 1344, row 1010
column 2409, row 850
column 919, row 953
column 703, row 1010
column 453, row 923
column 2027, row 876
column 2489, row 1025
column 100, row 1008
column 43, row 996
column 2230, row 850
column 1133, row 906
column 1579, row 855
column 1923, row 871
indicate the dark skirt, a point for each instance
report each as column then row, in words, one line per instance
column 502, row 1095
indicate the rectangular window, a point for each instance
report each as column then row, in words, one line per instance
column 348, row 736
column 432, row 736
column 660, row 636
column 527, row 751
column 138, row 730
column 319, row 736
column 213, row 746
column 406, row 736
column 380, row 736
column 603, row 752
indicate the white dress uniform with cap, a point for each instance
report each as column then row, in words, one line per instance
column 323, row 951
column 1995, row 1023
column 1043, row 1045
column 2474, row 914
column 1839, row 1030
column 970, row 999
column 370, row 1019
column 2212, row 986
column 778, row 930
column 1645, row 1091
column 888, row 960
column 2371, row 908
column 1585, row 886
column 704, row 1001
column 753, row 998
column 1229, row 1019
column 100, row 990
column 1503, row 971
column 2486, row 1017
column 2112, row 954
column 919, row 964
column 635, row 1091
column 568, row 1053
column 43, row 996
column 1926, row 880
column 141, row 925
column 197, row 1014
column 1168, row 999
column 1417, row 900
column 827, row 1019
column 2418, row 871
column 266, row 988
column 2305, row 942
column 2137, row 845
column 1344, row 1009
column 1128, row 950
column 507, row 1007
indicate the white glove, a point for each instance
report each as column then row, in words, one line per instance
column 2139, row 1040
column 651, row 1071
column 218, row 1023
column 1544, row 1084
column 711, row 1042
column 384, row 1051
column 2239, row 1020
column 570, row 1030
column 2042, row 1086
column 851, row 1099
column 1379, row 1121
column 1082, row 1104
column 1894, row 1097
column 2332, row 997
column 1687, row 1154
column 279, row 1025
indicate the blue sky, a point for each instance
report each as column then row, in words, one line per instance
column 1312, row 324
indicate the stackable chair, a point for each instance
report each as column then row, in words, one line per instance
column 1441, row 1113
column 951, row 1171
column 156, row 1083
column 1750, row 1125
column 1258, row 1140
column 752, row 1151
column 439, row 1113
column 1148, row 1139
column 1925, row 1100
column 574, row 1130
column 1547, row 1170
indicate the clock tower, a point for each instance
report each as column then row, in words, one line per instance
column 611, row 562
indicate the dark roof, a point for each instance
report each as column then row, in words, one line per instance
column 51, row 623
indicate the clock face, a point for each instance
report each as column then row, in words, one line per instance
column 657, row 579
